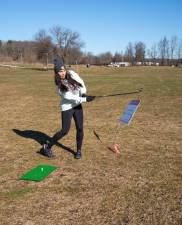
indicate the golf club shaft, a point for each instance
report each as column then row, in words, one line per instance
column 125, row 93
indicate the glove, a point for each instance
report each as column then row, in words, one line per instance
column 90, row 98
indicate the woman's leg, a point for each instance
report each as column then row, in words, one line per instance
column 78, row 118
column 66, row 122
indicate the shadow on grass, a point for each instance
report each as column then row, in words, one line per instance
column 40, row 137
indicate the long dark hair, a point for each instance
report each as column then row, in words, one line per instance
column 60, row 84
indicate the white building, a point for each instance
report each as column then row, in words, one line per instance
column 119, row 64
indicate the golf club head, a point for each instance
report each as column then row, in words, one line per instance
column 97, row 136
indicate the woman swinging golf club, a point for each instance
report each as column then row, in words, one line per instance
column 72, row 90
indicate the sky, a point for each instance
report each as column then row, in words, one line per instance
column 103, row 25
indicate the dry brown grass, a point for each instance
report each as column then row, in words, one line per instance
column 142, row 186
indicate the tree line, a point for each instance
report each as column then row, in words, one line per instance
column 67, row 43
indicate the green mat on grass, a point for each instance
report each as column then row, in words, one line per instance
column 38, row 173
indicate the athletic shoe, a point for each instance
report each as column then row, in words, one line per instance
column 78, row 155
column 46, row 151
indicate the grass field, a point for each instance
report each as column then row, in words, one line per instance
column 142, row 186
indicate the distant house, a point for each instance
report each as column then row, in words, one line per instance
column 119, row 64
column 123, row 64
column 139, row 63
column 149, row 63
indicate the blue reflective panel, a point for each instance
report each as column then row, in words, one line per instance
column 129, row 111
column 135, row 102
column 130, row 108
column 125, row 118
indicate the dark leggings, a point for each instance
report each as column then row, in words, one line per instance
column 77, row 114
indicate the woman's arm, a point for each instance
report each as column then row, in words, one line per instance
column 76, row 77
column 72, row 97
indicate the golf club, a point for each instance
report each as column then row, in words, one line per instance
column 114, row 148
column 124, row 93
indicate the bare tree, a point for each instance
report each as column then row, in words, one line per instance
column 118, row 57
column 105, row 58
column 154, row 52
column 88, row 58
column 173, row 45
column 140, row 52
column 74, row 56
column 66, row 39
column 1, row 44
column 163, row 47
column 1, row 48
column 29, row 52
column 129, row 54
column 43, row 46
column 13, row 49
column 179, row 51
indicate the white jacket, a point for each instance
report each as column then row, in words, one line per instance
column 70, row 99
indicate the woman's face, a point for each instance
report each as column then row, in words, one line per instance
column 62, row 74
